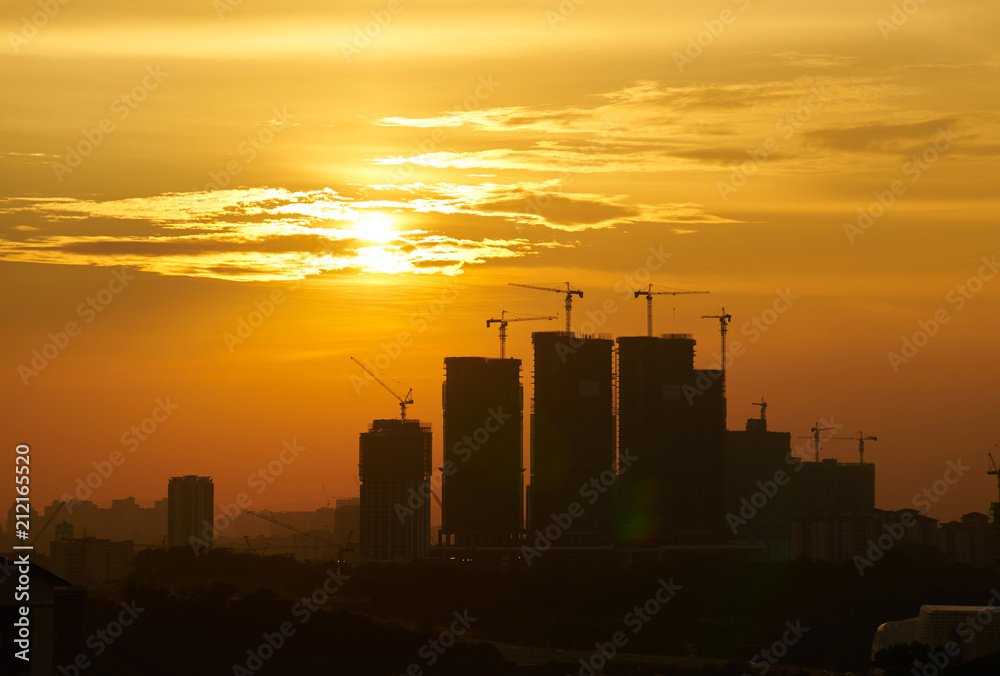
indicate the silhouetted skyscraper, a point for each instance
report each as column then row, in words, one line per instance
column 572, row 433
column 829, row 485
column 190, row 510
column 395, row 469
column 482, row 483
column 672, row 417
column 761, row 486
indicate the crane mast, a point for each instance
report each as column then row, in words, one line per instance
column 816, row 430
column 569, row 291
column 649, row 293
column 861, row 439
column 994, row 471
column 503, row 321
column 724, row 319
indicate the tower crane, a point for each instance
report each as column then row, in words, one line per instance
column 724, row 319
column 569, row 291
column 816, row 430
column 994, row 471
column 763, row 409
column 861, row 439
column 403, row 401
column 348, row 546
column 503, row 321
column 294, row 529
column 45, row 526
column 649, row 293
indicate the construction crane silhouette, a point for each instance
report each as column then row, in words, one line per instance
column 403, row 401
column 503, row 321
column 861, row 439
column 724, row 320
column 569, row 291
column 649, row 293
column 348, row 546
column 294, row 529
column 763, row 408
column 994, row 471
column 250, row 549
column 52, row 517
column 817, row 431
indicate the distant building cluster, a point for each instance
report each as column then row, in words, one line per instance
column 630, row 458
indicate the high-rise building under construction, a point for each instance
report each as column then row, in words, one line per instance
column 762, row 481
column 482, row 475
column 395, row 469
column 572, row 434
column 190, row 511
column 672, row 419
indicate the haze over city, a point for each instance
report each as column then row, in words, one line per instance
column 368, row 182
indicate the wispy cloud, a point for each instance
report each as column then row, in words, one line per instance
column 259, row 235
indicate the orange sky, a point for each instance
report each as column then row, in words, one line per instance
column 231, row 150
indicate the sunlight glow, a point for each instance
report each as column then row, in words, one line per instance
column 375, row 227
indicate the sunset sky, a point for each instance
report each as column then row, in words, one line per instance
column 390, row 166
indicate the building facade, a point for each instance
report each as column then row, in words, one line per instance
column 395, row 469
column 672, row 418
column 572, row 435
column 190, row 510
column 483, row 473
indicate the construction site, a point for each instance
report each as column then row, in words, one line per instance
column 695, row 487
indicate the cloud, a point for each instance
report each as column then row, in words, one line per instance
column 257, row 234
column 543, row 203
column 646, row 126
column 878, row 137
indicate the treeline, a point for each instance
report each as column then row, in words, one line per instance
column 721, row 609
